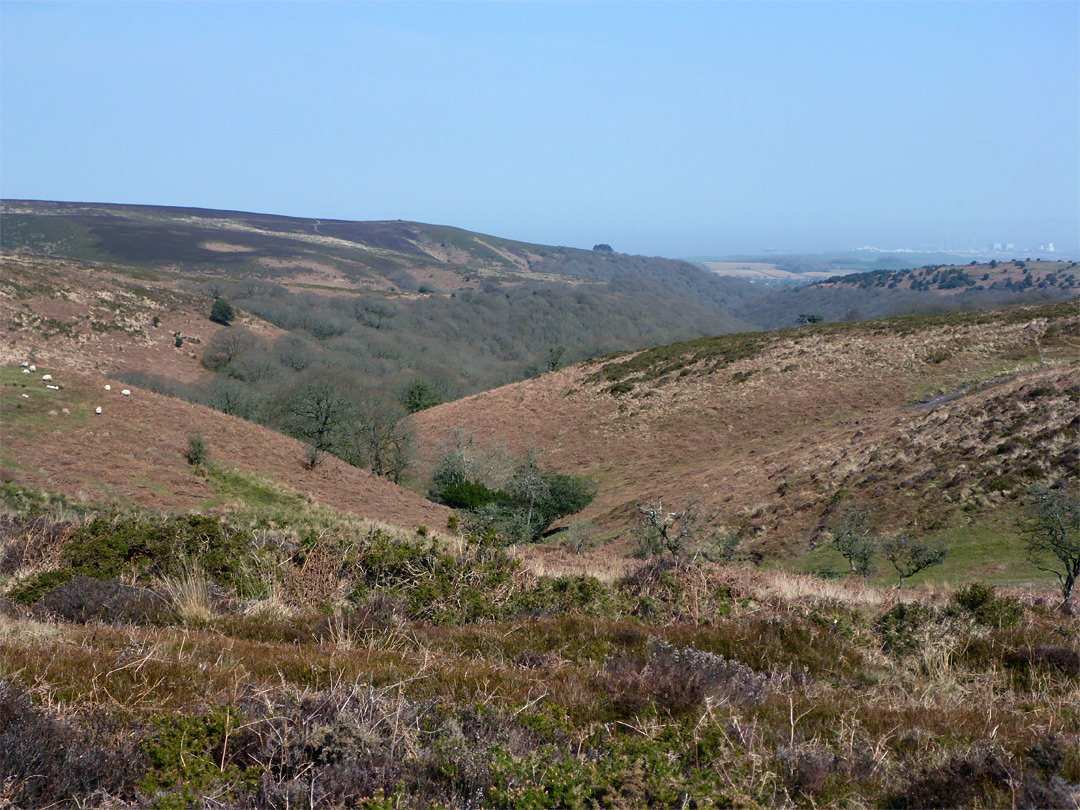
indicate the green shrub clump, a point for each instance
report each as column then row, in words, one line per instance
column 979, row 601
column 222, row 312
column 197, row 450
column 108, row 547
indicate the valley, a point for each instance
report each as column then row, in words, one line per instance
column 379, row 534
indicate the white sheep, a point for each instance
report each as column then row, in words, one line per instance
column 46, row 377
column 97, row 409
column 33, row 368
column 108, row 388
column 53, row 387
column 126, row 392
column 26, row 371
column 25, row 365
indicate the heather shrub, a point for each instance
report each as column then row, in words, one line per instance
column 1045, row 657
column 83, row 600
column 982, row 777
column 48, row 761
column 678, row 681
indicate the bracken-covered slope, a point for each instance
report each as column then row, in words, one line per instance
column 133, row 452
column 932, row 422
column 81, row 316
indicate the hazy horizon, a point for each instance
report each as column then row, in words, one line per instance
column 677, row 129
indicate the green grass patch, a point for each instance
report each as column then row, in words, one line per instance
column 28, row 407
column 990, row 550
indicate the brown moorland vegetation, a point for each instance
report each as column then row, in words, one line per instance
column 448, row 676
column 133, row 452
column 935, row 421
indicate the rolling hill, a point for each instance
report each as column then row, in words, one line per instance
column 229, row 631
column 936, row 423
column 133, row 454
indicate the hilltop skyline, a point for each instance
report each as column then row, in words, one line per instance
column 661, row 129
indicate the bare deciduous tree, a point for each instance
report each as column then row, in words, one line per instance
column 228, row 344
column 381, row 439
column 1051, row 528
column 672, row 531
column 317, row 410
column 909, row 556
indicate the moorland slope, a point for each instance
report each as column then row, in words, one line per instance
column 133, row 453
column 935, row 422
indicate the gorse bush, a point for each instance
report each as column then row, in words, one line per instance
column 439, row 587
column 980, row 601
column 198, row 449
column 145, row 547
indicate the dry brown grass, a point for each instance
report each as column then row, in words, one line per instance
column 191, row 594
column 820, row 413
column 115, row 461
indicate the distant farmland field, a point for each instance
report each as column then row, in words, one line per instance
column 760, row 271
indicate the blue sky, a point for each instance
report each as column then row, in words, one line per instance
column 679, row 129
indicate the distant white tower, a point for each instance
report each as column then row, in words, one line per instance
column 1050, row 247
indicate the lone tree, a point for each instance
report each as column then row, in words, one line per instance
column 554, row 357
column 602, row 248
column 222, row 312
column 909, row 556
column 228, row 344
column 1051, row 528
column 854, row 537
column 419, row 396
column 672, row 531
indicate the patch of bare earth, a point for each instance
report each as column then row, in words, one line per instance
column 134, row 452
column 768, row 442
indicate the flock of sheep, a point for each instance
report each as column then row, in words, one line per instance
column 30, row 368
